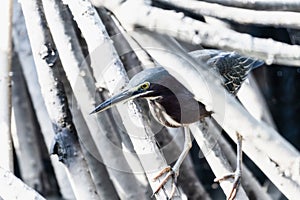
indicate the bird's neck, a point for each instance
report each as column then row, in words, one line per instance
column 161, row 115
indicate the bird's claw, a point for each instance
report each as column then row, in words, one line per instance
column 162, row 172
column 170, row 173
column 236, row 183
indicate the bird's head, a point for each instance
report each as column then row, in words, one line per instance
column 143, row 85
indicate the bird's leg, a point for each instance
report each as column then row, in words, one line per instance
column 174, row 171
column 238, row 172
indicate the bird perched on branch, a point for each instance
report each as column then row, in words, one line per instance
column 173, row 105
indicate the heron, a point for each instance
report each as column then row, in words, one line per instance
column 173, row 105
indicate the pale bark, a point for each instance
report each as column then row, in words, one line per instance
column 238, row 15
column 6, row 160
column 23, row 49
column 84, row 89
column 215, row 156
column 14, row 188
column 127, row 55
column 288, row 5
column 196, row 32
column 132, row 66
column 66, row 144
column 253, row 100
column 61, row 27
column 252, row 187
column 25, row 135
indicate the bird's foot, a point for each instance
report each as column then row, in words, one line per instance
column 237, row 180
column 237, row 175
column 171, row 173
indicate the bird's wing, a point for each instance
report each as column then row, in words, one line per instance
column 191, row 110
column 232, row 66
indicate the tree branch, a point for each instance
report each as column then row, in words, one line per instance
column 5, row 86
column 61, row 26
column 66, row 144
column 253, row 100
column 23, row 49
column 252, row 187
column 187, row 179
column 14, row 188
column 196, row 32
column 26, row 137
column 215, row 156
column 287, row 5
column 238, row 15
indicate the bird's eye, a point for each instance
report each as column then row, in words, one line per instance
column 145, row 86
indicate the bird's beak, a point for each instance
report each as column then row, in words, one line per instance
column 122, row 97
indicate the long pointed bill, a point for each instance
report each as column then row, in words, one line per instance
column 122, row 97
